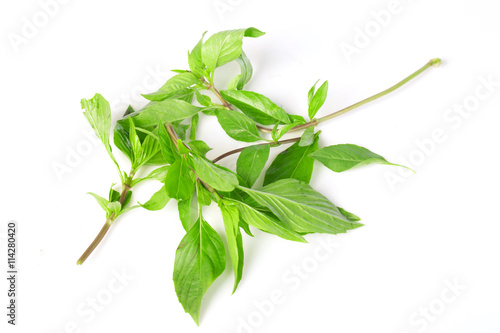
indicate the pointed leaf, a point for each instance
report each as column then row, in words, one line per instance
column 158, row 201
column 346, row 156
column 238, row 126
column 251, row 162
column 301, row 208
column 214, row 175
column 318, row 100
column 199, row 260
column 179, row 183
column 256, row 106
column 231, row 218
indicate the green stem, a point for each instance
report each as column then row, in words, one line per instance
column 431, row 63
column 109, row 221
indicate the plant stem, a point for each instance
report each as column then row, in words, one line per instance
column 237, row 150
column 104, row 230
column 431, row 63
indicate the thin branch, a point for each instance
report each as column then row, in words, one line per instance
column 272, row 144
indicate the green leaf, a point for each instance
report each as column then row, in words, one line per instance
column 346, row 156
column 180, row 81
column 251, row 162
column 246, row 70
column 310, row 94
column 181, row 129
column 183, row 150
column 203, row 99
column 256, row 106
column 317, row 101
column 150, row 147
column 188, row 212
column 158, row 201
column 194, row 59
column 308, row 137
column 349, row 215
column 225, row 46
column 129, row 110
column 180, row 180
column 161, row 95
column 199, row 147
column 200, row 258
column 294, row 162
column 157, row 174
column 167, row 146
column 202, row 195
column 260, row 220
column 278, row 132
column 301, row 208
column 114, row 207
column 214, row 175
column 135, row 143
column 122, row 141
column 231, row 218
column 101, row 201
column 169, row 110
column 98, row 114
column 238, row 126
column 233, row 82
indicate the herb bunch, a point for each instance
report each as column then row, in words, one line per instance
column 163, row 134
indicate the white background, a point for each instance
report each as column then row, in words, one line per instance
column 427, row 230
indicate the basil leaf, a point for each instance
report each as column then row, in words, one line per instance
column 158, row 201
column 301, row 208
column 266, row 223
column 225, row 46
column 180, row 180
column 346, row 156
column 278, row 132
column 308, row 137
column 157, row 174
column 101, row 201
column 199, row 147
column 180, row 81
column 161, row 95
column 256, row 106
column 169, row 110
column 231, row 218
column 251, row 162
column 246, row 70
column 194, row 126
column 188, row 212
column 318, row 99
column 98, row 114
column 349, row 215
column 202, row 195
column 135, row 143
column 200, row 258
column 204, row 100
column 122, row 141
column 294, row 162
column 237, row 125
column 233, row 82
column 214, row 175
column 150, row 147
column 167, row 146
column 194, row 59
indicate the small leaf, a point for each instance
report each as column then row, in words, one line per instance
column 214, row 175
column 179, row 183
column 257, row 106
column 246, row 71
column 101, row 201
column 158, row 201
column 199, row 147
column 167, row 146
column 200, row 258
column 225, row 46
column 179, row 82
column 114, row 207
column 294, row 162
column 135, row 143
column 98, row 114
column 203, row 99
column 307, row 138
column 251, row 162
column 122, row 141
column 346, row 156
column 231, row 218
column 202, row 195
column 238, row 126
column 233, row 82
column 161, row 95
column 194, row 59
column 310, row 94
column 188, row 212
column 318, row 100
